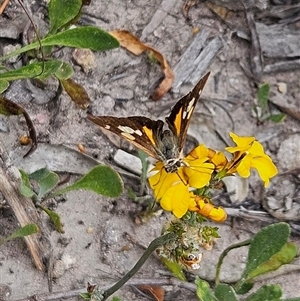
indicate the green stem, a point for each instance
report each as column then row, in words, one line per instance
column 153, row 245
column 224, row 253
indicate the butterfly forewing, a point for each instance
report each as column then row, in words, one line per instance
column 141, row 131
column 181, row 113
column 149, row 135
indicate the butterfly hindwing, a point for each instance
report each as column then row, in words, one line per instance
column 141, row 131
column 181, row 113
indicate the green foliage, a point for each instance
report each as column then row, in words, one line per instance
column 22, row 232
column 268, row 250
column 267, row 293
column 225, row 292
column 90, row 37
column 175, row 268
column 62, row 12
column 262, row 109
column 204, row 292
column 101, row 179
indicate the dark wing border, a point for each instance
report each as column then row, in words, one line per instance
column 182, row 108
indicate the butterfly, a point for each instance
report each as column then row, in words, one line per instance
column 165, row 145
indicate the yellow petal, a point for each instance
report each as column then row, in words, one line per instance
column 198, row 175
column 218, row 214
column 219, row 160
column 176, row 199
column 265, row 168
column 242, row 143
column 243, row 168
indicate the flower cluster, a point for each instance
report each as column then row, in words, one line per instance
column 187, row 188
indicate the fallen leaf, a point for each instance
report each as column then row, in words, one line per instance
column 76, row 92
column 7, row 108
column 135, row 46
column 223, row 12
column 154, row 290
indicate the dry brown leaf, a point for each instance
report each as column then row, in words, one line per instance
column 76, row 92
column 154, row 290
column 223, row 12
column 135, row 46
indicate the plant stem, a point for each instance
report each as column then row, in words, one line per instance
column 153, row 245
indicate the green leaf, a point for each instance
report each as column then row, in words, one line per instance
column 204, row 292
column 4, row 84
column 101, row 179
column 39, row 174
column 225, row 292
column 55, row 219
column 265, row 244
column 85, row 296
column 277, row 117
column 174, row 267
column 25, row 188
column 263, row 96
column 284, row 256
column 65, row 71
column 38, row 69
column 24, row 231
column 47, row 183
column 62, row 12
column 82, row 37
column 244, row 288
column 271, row 292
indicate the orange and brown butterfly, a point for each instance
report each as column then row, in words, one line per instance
column 149, row 135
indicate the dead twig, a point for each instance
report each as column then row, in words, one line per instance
column 3, row 6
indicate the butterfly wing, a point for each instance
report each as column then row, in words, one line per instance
column 140, row 131
column 182, row 112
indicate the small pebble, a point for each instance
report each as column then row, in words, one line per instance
column 282, row 87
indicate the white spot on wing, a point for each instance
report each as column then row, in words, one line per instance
column 138, row 132
column 187, row 113
column 126, row 129
column 107, row 127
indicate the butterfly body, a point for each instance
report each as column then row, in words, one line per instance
column 149, row 135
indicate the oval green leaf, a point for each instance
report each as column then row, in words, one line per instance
column 265, row 244
column 90, row 37
column 225, row 292
column 4, row 84
column 271, row 292
column 24, row 231
column 101, row 179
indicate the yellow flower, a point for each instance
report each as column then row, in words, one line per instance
column 203, row 206
column 252, row 156
column 172, row 190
